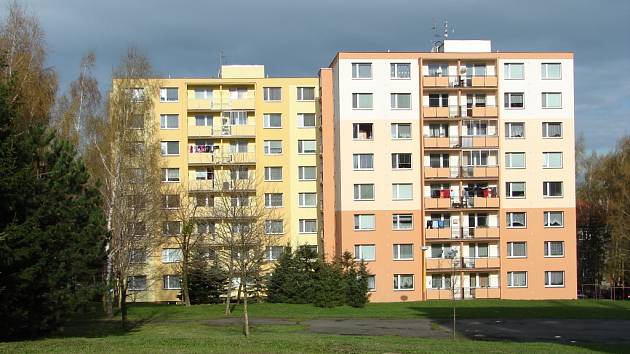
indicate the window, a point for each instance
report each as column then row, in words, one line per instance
column 363, row 161
column 203, row 120
column 517, row 249
column 307, row 173
column 137, row 256
column 554, row 219
column 365, row 252
column 552, row 130
column 513, row 71
column 371, row 282
column 401, row 101
column 307, row 146
column 272, row 120
column 238, row 93
column 307, row 200
column 441, row 281
column 403, row 281
column 551, row 71
column 362, row 131
column 400, row 70
column 439, row 250
column 403, row 251
column 514, row 130
column 240, row 201
column 273, row 147
column 515, row 189
column 362, row 101
column 361, row 70
column 272, row 93
column 170, row 175
column 235, row 117
column 137, row 283
column 554, row 249
column 170, row 228
column 514, row 160
column 273, row 200
column 513, row 100
column 308, row 226
column 204, row 200
column 137, row 94
column 170, row 201
column 516, row 220
column 401, row 161
column 169, row 147
column 552, row 160
column 237, row 146
column 478, row 250
column 363, row 192
column 203, row 93
column 552, row 189
column 517, row 279
column 205, row 227
column 136, row 175
column 204, row 173
column 239, row 173
column 438, row 160
column 272, row 253
column 552, row 100
column 168, row 94
column 474, row 128
column 171, row 255
column 364, row 221
column 402, row 191
column 137, row 122
column 438, row 100
column 305, row 93
column 401, row 130
column 306, row 120
column 402, row 221
column 554, row 279
column 273, row 174
column 171, row 282
column 438, row 69
column 274, row 226
column 169, row 121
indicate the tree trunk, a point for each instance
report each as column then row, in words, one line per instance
column 228, row 295
column 245, row 314
column 108, row 301
column 185, row 290
column 238, row 293
column 123, row 305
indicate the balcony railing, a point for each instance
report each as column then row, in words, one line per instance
column 463, row 263
column 459, row 233
column 235, row 158
column 459, row 81
column 212, row 185
column 464, row 293
column 462, row 172
column 463, row 111
column 248, row 130
column 247, row 102
column 468, row 141
column 461, row 202
column 480, row 171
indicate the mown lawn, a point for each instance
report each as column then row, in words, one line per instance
column 171, row 328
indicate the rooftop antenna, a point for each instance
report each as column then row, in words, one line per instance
column 221, row 60
column 439, row 38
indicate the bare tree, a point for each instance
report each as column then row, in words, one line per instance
column 126, row 155
column 22, row 61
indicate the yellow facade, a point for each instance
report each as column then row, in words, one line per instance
column 241, row 141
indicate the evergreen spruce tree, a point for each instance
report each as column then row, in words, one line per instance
column 357, row 286
column 281, row 278
column 329, row 289
column 206, row 280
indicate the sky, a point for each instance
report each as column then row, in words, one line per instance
column 296, row 38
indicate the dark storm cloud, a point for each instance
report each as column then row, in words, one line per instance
column 296, row 38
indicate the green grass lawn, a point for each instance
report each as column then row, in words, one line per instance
column 176, row 329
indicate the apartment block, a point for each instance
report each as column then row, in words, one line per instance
column 240, row 127
column 451, row 173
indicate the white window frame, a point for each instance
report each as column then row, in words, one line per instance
column 131, row 281
column 546, row 159
column 300, row 93
column 356, row 101
column 166, row 283
column 269, row 230
column 395, row 134
column 267, row 120
column 171, row 255
column 356, row 71
column 356, row 162
column 208, row 120
column 396, row 224
column 271, row 198
column 302, row 226
column 164, row 148
column 395, row 75
column 510, row 249
column 360, row 186
column 301, row 120
column 267, row 147
column 544, row 71
column 396, row 250
column 509, row 190
column 545, row 130
column 545, row 99
column 394, row 104
column 507, row 97
column 509, row 220
column 547, row 219
column 546, row 189
column 269, row 253
column 509, row 161
column 168, row 179
column 359, row 221
column 359, row 256
column 398, row 277
column 548, row 279
column 302, row 144
column 301, row 173
column 268, row 173
column 507, row 73
column 373, row 277
column 396, row 191
column 302, row 199
column 510, row 279
column 396, row 161
column 164, row 121
column 206, row 93
column 356, row 130
column 508, row 128
column 547, row 249
column 267, row 93
column 164, row 94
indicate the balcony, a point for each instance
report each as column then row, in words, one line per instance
column 482, row 293
column 439, row 294
column 463, row 233
column 461, row 202
column 480, row 141
column 441, row 142
column 441, row 172
column 479, row 112
column 463, row 111
column 480, row 171
column 437, row 203
column 480, row 232
column 225, row 131
column 211, row 185
column 438, row 234
column 462, row 263
column 237, row 158
column 247, row 102
column 459, row 81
